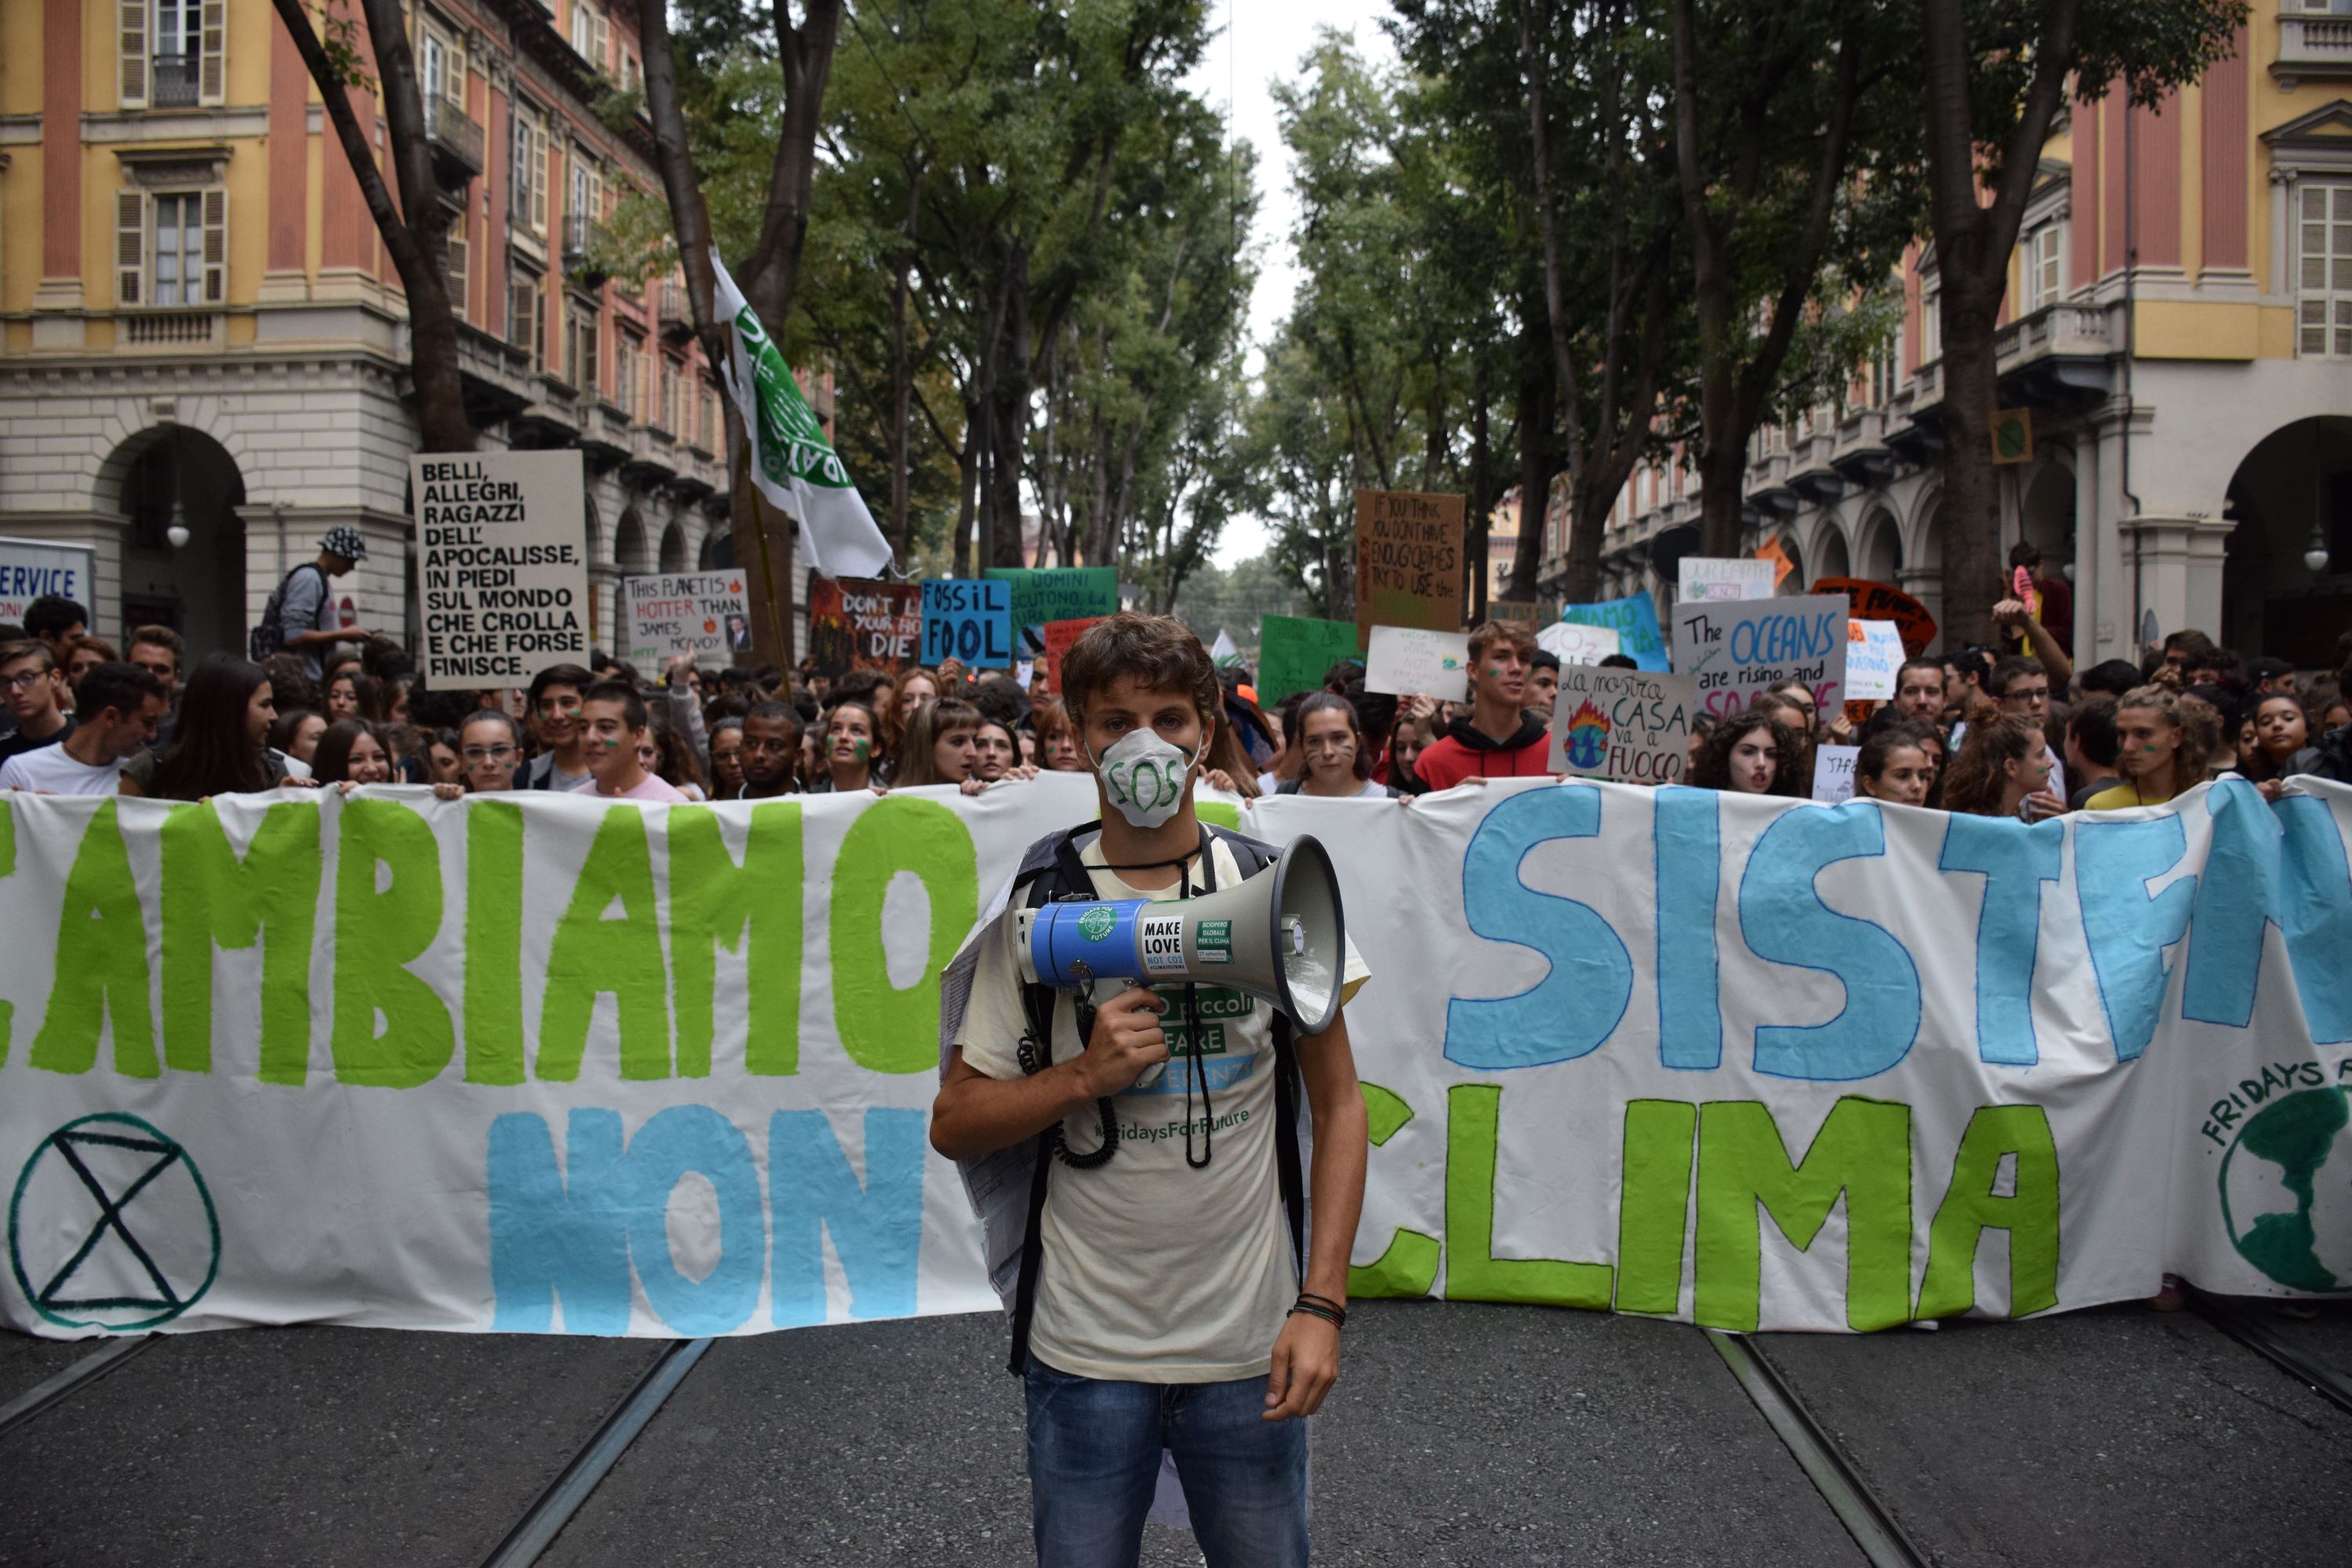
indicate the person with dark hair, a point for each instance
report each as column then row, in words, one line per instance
column 2187, row 650
column 353, row 694
column 1543, row 683
column 2004, row 770
column 2109, row 678
column 2160, row 749
column 614, row 726
column 120, row 707
column 352, row 751
column 1896, row 765
column 2091, row 749
column 84, row 654
column 726, row 757
column 1163, row 1306
column 1619, row 661
column 555, row 699
column 490, row 749
column 1415, row 733
column 2264, row 676
column 769, row 753
column 2022, row 687
column 852, row 754
column 1000, row 697
column 942, row 744
column 1498, row 739
column 2282, row 737
column 56, row 620
column 295, row 733
column 668, row 755
column 220, row 745
column 2049, row 601
column 303, row 610
column 997, row 752
column 160, row 651
column 36, row 696
column 1057, row 740
column 1750, row 753
column 1331, row 738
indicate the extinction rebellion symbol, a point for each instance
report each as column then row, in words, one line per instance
column 1097, row 923
column 111, row 1226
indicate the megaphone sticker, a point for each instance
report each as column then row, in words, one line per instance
column 1214, row 942
column 1162, row 938
column 1097, row 922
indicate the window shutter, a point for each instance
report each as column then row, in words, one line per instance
column 131, row 16
column 453, row 76
column 458, row 259
column 212, row 74
column 539, row 180
column 216, row 247
column 130, row 247
column 602, row 42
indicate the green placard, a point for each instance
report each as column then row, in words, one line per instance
column 1294, row 652
column 1043, row 595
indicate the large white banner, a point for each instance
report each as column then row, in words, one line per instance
column 537, row 1063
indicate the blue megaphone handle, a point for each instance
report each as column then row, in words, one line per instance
column 1071, row 944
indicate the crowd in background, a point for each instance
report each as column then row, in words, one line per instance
column 2014, row 730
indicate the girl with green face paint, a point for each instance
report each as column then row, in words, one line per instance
column 849, row 732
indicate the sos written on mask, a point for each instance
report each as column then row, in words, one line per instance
column 1144, row 777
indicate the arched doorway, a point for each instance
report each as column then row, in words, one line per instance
column 631, row 552
column 182, row 541
column 2290, row 498
column 673, row 547
column 1798, row 580
column 1880, row 557
column 718, row 548
column 1833, row 561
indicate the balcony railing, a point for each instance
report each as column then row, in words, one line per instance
column 677, row 311
column 582, row 236
column 176, row 81
column 172, row 329
column 454, row 137
column 2312, row 45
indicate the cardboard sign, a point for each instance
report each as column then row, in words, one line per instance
column 1042, row 596
column 1403, row 661
column 32, row 567
column 1573, row 642
column 854, row 623
column 1526, row 611
column 1294, row 652
column 1408, row 560
column 1632, row 725
column 706, row 613
column 1869, row 601
column 1833, row 773
column 1059, row 635
column 501, row 565
column 968, row 619
column 1634, row 619
column 1710, row 577
column 1874, row 652
column 1741, row 649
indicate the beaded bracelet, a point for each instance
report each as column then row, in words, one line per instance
column 1321, row 1307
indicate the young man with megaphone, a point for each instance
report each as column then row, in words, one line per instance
column 1162, row 1289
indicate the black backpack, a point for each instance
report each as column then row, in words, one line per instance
column 1052, row 872
column 269, row 636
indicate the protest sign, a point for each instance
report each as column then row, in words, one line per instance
column 1740, row 649
column 1403, row 661
column 32, row 567
column 1295, row 652
column 1776, row 554
column 706, row 613
column 1408, row 560
column 1059, row 635
column 408, row 1063
column 1572, row 642
column 1707, row 577
column 1632, row 725
column 968, row 619
column 1874, row 652
column 1526, row 611
column 1634, row 619
column 502, row 564
column 854, row 624
column 1042, row 596
column 1833, row 773
column 1870, row 601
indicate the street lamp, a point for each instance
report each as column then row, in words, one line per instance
column 2316, row 556
column 176, row 531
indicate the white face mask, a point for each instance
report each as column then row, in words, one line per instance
column 1145, row 778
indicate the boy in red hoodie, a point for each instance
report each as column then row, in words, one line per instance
column 1499, row 739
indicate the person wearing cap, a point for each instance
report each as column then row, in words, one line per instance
column 313, row 623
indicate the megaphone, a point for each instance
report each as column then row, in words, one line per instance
column 1278, row 935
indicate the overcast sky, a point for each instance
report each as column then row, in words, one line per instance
column 1259, row 45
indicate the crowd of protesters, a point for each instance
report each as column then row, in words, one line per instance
column 2014, row 730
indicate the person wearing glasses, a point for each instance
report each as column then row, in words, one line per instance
column 489, row 748
column 36, row 698
column 2022, row 687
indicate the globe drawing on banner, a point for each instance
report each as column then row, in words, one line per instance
column 2287, row 1184
column 143, row 1242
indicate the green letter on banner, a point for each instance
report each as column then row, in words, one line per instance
column 493, row 941
column 7, row 869
column 1655, row 1203
column 102, row 967
column 1863, row 1151
column 377, row 936
column 1473, row 1272
column 754, row 910
column 591, row 954
column 883, row 1028
column 1970, row 1207
column 212, row 897
column 1408, row 1267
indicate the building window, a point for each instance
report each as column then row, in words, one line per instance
column 590, row 34
column 666, row 410
column 530, row 172
column 445, row 69
column 170, row 52
column 1931, row 323
column 526, row 318
column 172, row 248
column 460, row 255
column 584, row 339
column 1887, row 369
column 2324, row 272
column 2043, row 255
column 628, row 361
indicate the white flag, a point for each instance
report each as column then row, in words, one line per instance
column 1223, row 651
column 791, row 462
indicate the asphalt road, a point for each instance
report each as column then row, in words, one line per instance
column 1460, row 1434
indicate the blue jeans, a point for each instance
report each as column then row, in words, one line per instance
column 1094, row 1459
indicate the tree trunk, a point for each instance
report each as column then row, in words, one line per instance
column 1538, row 462
column 1481, row 505
column 1968, row 511
column 902, row 375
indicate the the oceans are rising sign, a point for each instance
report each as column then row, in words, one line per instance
column 502, row 564
column 538, row 1063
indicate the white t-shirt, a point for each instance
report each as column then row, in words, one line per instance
column 53, row 769
column 1152, row 1271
